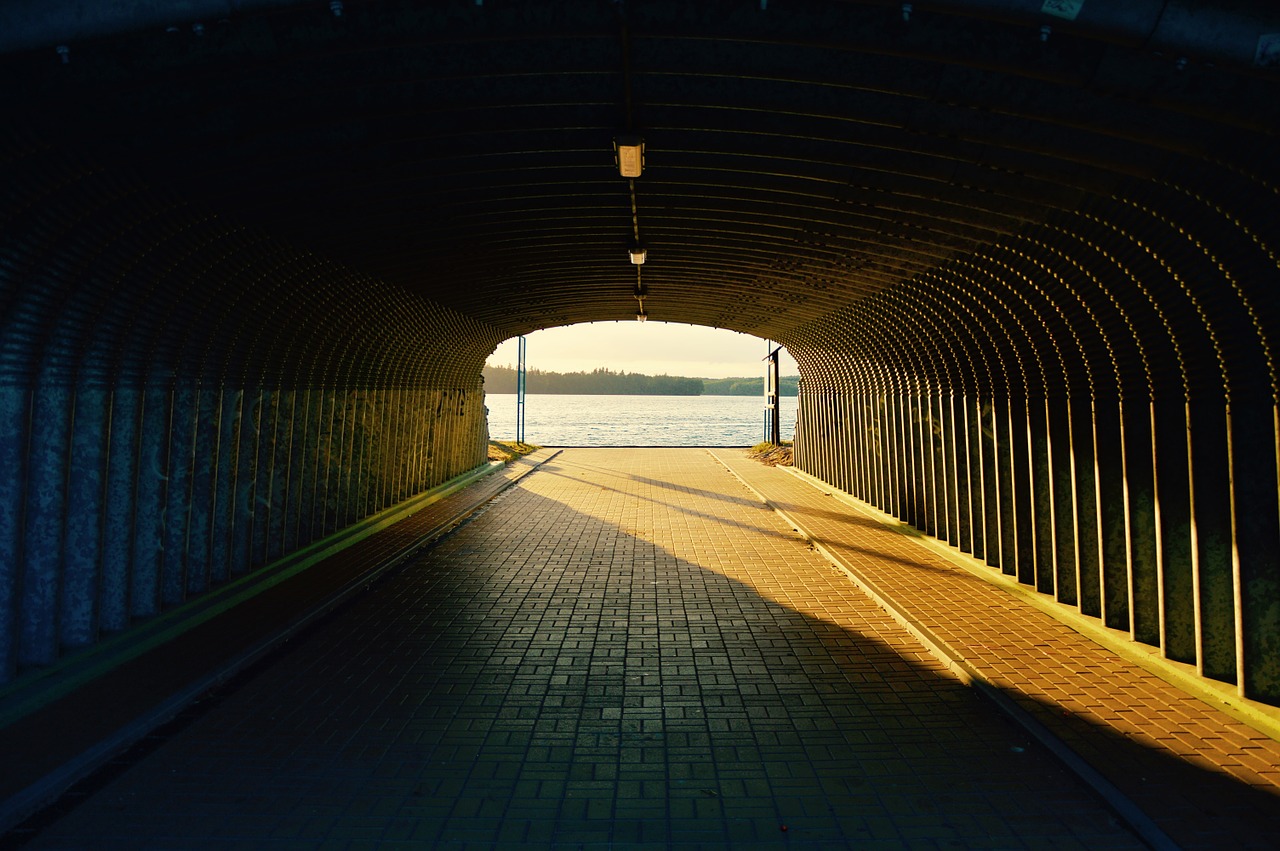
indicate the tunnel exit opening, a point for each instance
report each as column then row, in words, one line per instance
column 657, row 384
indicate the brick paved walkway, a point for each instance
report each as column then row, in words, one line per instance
column 625, row 649
column 1206, row 779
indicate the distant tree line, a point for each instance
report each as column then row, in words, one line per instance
column 502, row 379
column 789, row 386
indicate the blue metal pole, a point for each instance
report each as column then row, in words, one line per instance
column 522, row 351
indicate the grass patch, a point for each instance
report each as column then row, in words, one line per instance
column 509, row 450
column 771, row 454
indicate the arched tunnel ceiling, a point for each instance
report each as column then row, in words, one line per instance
column 803, row 156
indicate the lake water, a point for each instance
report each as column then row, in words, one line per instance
column 551, row 420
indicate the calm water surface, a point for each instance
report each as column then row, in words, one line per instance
column 551, row 420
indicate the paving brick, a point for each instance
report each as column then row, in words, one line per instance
column 626, row 647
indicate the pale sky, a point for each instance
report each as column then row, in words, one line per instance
column 652, row 348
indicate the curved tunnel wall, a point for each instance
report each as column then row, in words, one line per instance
column 183, row 402
column 1027, row 264
column 1089, row 405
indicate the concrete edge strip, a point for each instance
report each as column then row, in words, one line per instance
column 1261, row 717
column 1131, row 813
column 47, row 789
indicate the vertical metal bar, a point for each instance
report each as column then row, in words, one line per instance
column 937, row 434
column 428, row 420
column 818, row 432
column 324, row 426
column 206, row 462
column 370, row 465
column 1112, row 515
column 379, row 453
column 117, row 525
column 1088, row 492
column 1173, row 496
column 1162, row 619
column 974, row 480
column 992, row 519
column 195, row 466
column 522, row 351
column 394, row 448
column 362, row 453
column 15, row 418
column 178, row 448
column 247, row 481
column 902, row 454
column 223, row 509
column 86, row 487
column 271, row 530
column 1040, row 452
column 376, row 452
column 1024, row 537
column 430, row 404
column 1212, row 522
column 891, row 456
column 49, row 436
column 911, row 478
column 1002, row 422
column 824, row 434
column 264, row 451
column 341, row 467
column 947, row 469
column 888, row 453
column 818, row 421
column 415, row 420
column 1255, row 526
column 1144, row 555
column 1063, row 484
column 849, row 438
column 331, row 444
column 883, row 463
column 455, row 434
column 851, row 443
column 1256, row 462
column 401, row 455
column 288, row 487
column 437, row 417
column 816, row 445
column 304, row 466
column 354, row 432
column 941, row 488
column 444, row 434
column 149, row 504
column 839, row 437
column 929, row 492
column 961, row 472
column 925, row 476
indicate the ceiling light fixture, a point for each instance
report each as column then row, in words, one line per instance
column 629, row 151
column 638, row 255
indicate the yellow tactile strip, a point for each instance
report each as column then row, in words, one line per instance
column 1207, row 779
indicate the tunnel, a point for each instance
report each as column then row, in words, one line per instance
column 254, row 254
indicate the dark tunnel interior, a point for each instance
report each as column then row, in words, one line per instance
column 253, row 258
